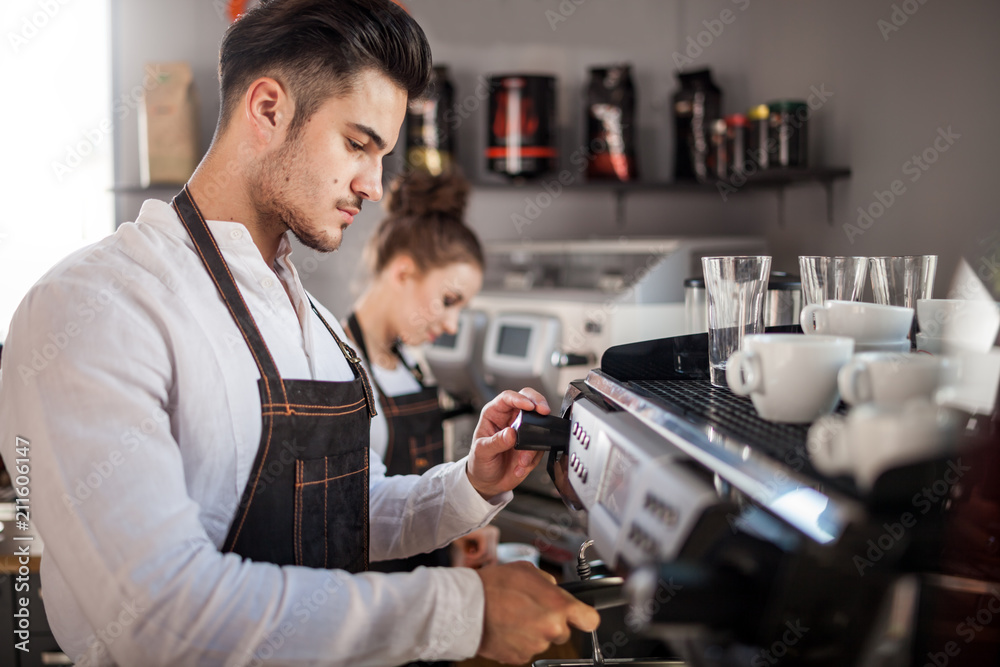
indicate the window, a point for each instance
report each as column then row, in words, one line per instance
column 56, row 166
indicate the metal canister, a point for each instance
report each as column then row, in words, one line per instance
column 521, row 125
column 430, row 140
column 758, row 118
column 789, row 123
column 782, row 302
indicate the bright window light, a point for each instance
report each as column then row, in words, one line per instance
column 57, row 165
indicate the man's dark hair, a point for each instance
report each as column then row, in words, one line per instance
column 317, row 48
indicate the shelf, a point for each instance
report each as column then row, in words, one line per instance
column 771, row 179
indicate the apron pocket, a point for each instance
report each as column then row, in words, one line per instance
column 322, row 535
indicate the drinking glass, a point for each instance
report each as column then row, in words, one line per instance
column 832, row 278
column 735, row 287
column 900, row 281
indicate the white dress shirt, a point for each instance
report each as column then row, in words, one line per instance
column 126, row 374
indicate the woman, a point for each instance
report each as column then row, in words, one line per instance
column 426, row 265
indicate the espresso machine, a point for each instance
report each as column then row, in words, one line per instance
column 723, row 544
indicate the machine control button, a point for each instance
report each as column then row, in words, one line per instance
column 583, row 477
column 661, row 510
column 572, row 460
column 576, row 429
column 586, row 442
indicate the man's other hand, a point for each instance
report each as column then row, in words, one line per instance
column 494, row 466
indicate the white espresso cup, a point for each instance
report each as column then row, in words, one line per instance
column 789, row 377
column 968, row 324
column 871, row 440
column 889, row 379
column 864, row 322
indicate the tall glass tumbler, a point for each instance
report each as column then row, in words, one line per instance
column 838, row 278
column 902, row 280
column 735, row 287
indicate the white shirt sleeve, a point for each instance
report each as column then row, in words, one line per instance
column 124, row 534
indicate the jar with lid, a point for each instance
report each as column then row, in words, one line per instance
column 789, row 135
column 758, row 118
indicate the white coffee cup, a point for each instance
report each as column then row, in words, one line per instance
column 789, row 377
column 969, row 324
column 871, row 440
column 889, row 379
column 864, row 322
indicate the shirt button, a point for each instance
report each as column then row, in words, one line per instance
column 236, row 234
column 267, row 283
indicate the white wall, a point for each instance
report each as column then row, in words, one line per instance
column 890, row 98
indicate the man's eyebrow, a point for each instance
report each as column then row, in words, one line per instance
column 372, row 134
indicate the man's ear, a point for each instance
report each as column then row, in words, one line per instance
column 268, row 109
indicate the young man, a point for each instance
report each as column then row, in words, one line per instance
column 197, row 505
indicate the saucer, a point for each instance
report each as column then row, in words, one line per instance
column 884, row 346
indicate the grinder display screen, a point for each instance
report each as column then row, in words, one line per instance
column 617, row 481
column 513, row 341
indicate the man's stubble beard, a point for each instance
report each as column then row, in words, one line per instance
column 271, row 196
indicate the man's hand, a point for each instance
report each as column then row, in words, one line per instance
column 526, row 612
column 493, row 465
column 477, row 549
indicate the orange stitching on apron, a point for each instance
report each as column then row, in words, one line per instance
column 415, row 408
column 296, row 542
column 367, row 515
column 253, row 491
column 330, row 479
column 326, row 536
column 307, row 405
column 303, row 413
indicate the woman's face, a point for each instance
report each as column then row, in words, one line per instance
column 431, row 301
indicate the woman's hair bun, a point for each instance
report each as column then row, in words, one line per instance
column 420, row 194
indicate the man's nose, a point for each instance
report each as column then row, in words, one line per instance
column 368, row 184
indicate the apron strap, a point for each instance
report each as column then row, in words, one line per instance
column 211, row 256
column 359, row 338
column 352, row 359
